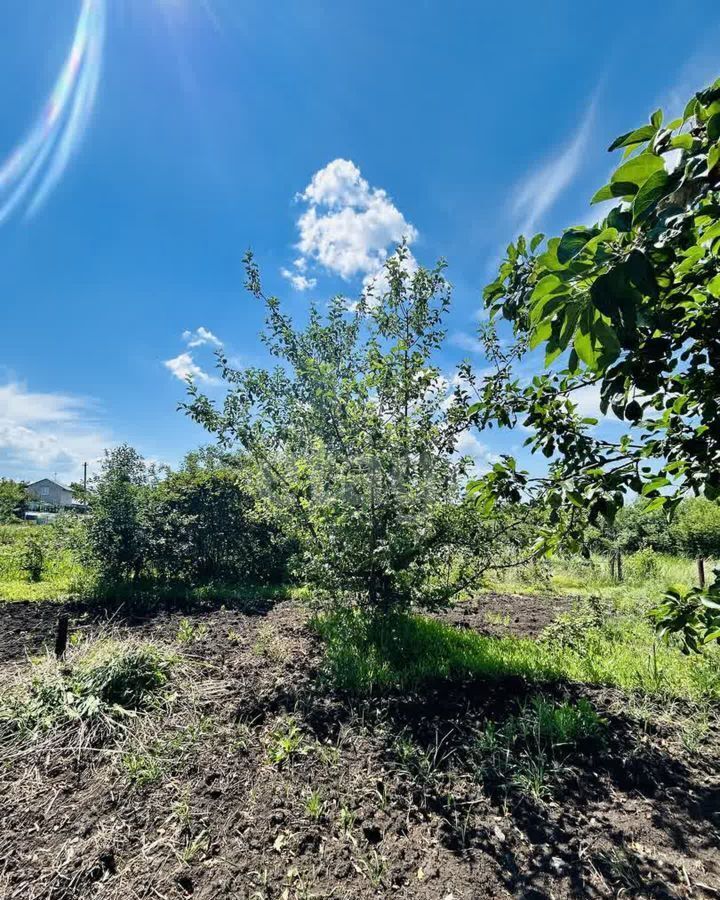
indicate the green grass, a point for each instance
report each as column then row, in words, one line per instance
column 646, row 575
column 366, row 656
column 60, row 573
column 526, row 752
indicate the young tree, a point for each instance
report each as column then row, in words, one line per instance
column 13, row 500
column 631, row 308
column 116, row 531
column 354, row 436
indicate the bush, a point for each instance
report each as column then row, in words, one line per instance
column 199, row 525
column 32, row 559
column 204, row 524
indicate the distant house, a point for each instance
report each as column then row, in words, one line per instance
column 48, row 495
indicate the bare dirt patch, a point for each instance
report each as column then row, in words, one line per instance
column 271, row 785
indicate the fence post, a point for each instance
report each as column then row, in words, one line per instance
column 61, row 636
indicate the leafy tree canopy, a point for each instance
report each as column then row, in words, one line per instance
column 13, row 500
column 629, row 307
column 354, row 437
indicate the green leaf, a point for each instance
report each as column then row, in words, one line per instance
column 710, row 604
column 642, row 274
column 654, row 485
column 645, row 133
column 652, row 191
column 584, row 346
column 536, row 241
column 544, row 287
column 713, row 157
column 540, row 335
column 571, row 243
column 714, row 286
column 713, row 127
column 613, row 191
column 656, row 118
column 620, row 219
column 682, row 142
column 657, row 503
column 637, row 170
column 607, row 342
column 690, row 109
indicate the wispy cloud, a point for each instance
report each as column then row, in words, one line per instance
column 466, row 341
column 201, row 336
column 539, row 191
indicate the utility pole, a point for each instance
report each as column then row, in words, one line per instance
column 84, row 476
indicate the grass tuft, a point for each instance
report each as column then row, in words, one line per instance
column 103, row 683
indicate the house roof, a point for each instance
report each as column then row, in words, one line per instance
column 52, row 481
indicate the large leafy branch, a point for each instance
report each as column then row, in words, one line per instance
column 628, row 308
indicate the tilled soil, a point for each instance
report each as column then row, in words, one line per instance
column 263, row 783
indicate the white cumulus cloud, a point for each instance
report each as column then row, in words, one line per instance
column 348, row 227
column 299, row 281
column 184, row 366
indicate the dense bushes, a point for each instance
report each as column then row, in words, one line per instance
column 13, row 500
column 694, row 530
column 198, row 525
column 205, row 525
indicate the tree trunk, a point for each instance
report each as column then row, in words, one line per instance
column 619, row 566
column 701, row 571
column 612, row 566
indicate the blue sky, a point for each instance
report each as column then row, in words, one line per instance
column 315, row 132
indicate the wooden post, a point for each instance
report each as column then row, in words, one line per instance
column 701, row 571
column 62, row 636
column 619, row 566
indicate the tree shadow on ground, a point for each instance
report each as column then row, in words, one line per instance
column 426, row 736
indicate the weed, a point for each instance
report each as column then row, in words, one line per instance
column 285, row 742
column 32, row 559
column 233, row 636
column 622, row 866
column 142, row 769
column 526, row 753
column 366, row 655
column 314, row 805
column 499, row 619
column 102, row 683
column 181, row 812
column 194, row 847
column 373, row 867
column 268, row 645
column 346, row 818
column 189, row 633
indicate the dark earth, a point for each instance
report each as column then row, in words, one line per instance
column 264, row 783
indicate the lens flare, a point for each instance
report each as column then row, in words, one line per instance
column 36, row 165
